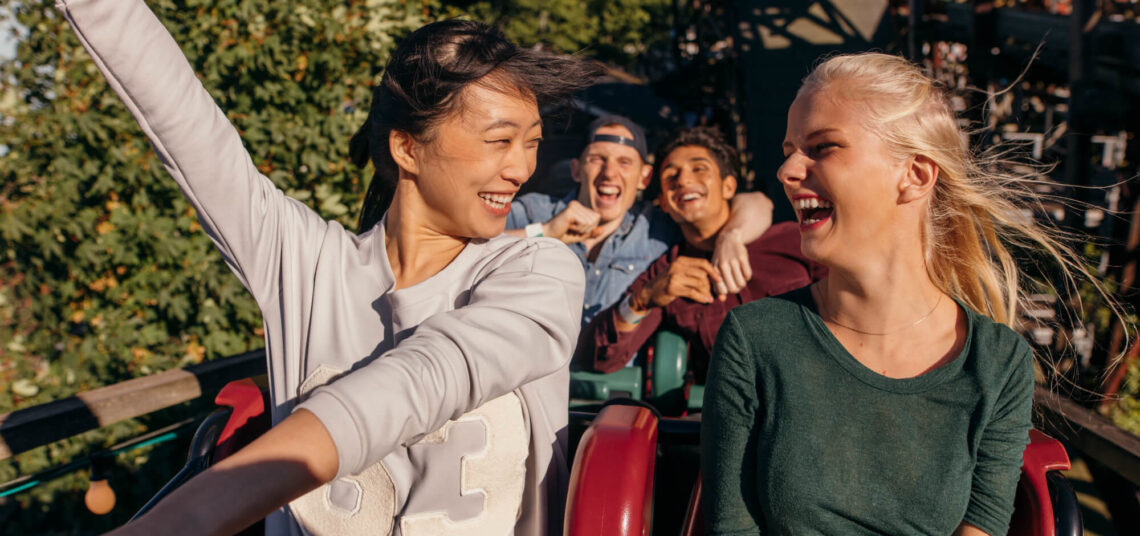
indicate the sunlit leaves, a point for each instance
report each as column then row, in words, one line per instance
column 104, row 271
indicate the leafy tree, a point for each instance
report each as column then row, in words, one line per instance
column 616, row 32
column 104, row 273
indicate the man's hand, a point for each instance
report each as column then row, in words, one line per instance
column 730, row 258
column 574, row 224
column 687, row 277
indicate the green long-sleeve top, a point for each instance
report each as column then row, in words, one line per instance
column 798, row 437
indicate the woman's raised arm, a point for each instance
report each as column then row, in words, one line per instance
column 245, row 215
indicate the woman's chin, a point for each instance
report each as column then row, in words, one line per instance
column 814, row 250
column 485, row 232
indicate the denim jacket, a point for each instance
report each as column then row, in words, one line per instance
column 645, row 234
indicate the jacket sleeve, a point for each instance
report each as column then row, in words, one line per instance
column 602, row 347
column 241, row 210
column 729, row 435
column 520, row 325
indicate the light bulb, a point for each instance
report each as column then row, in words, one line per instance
column 100, row 498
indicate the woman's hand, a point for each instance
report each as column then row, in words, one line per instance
column 286, row 462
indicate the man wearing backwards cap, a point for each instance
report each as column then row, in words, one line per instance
column 615, row 238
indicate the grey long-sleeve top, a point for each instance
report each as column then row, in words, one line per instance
column 448, row 398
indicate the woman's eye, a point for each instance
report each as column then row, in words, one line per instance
column 504, row 141
column 822, row 147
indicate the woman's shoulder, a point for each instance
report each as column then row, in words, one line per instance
column 785, row 305
column 1005, row 350
column 539, row 255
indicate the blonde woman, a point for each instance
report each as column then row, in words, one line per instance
column 890, row 397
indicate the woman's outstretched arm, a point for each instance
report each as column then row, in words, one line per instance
column 245, row 215
column 291, row 458
column 520, row 324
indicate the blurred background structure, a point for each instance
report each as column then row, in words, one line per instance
column 105, row 277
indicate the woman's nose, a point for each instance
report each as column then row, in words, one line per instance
column 518, row 166
column 792, row 170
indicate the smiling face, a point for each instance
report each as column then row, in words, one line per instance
column 475, row 162
column 840, row 177
column 610, row 175
column 693, row 192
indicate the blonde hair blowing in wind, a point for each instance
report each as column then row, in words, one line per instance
column 977, row 213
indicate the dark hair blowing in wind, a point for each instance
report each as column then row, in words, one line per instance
column 422, row 86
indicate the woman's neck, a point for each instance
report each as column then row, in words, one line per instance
column 416, row 250
column 890, row 316
column 880, row 294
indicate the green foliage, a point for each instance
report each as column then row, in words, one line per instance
column 615, row 32
column 104, row 272
column 1126, row 413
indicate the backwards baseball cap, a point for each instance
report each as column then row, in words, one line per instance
column 637, row 142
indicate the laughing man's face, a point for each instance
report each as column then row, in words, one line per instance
column 610, row 175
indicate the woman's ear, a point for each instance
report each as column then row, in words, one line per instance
column 921, row 176
column 402, row 146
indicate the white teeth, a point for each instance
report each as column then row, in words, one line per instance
column 689, row 196
column 812, row 202
column 497, row 200
column 608, row 190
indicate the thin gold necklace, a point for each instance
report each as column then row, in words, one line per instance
column 876, row 333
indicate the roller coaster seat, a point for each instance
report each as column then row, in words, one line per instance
column 611, row 482
column 664, row 376
column 242, row 415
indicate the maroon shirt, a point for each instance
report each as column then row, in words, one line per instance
column 777, row 267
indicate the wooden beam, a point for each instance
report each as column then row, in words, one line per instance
column 25, row 429
column 1090, row 433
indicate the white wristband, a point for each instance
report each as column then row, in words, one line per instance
column 533, row 230
column 627, row 314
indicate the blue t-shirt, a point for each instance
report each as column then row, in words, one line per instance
column 645, row 234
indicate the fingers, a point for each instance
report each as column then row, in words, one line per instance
column 693, row 264
column 732, row 274
column 731, row 261
column 694, row 279
column 581, row 219
column 574, row 224
column 746, row 270
column 722, row 290
column 697, row 290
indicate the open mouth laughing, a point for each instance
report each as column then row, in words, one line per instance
column 499, row 204
column 607, row 194
column 684, row 197
column 812, row 210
